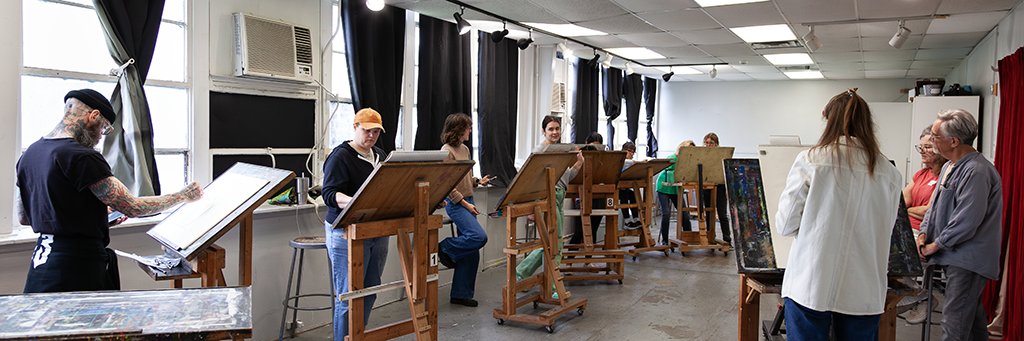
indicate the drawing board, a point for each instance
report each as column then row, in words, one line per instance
column 607, row 166
column 639, row 169
column 776, row 162
column 687, row 159
column 384, row 194
column 529, row 184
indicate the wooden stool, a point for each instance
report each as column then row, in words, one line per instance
column 299, row 246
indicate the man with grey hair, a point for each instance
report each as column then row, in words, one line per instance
column 962, row 230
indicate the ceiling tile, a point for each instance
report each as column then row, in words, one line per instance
column 888, row 28
column 519, row 10
column 722, row 69
column 952, row 40
column 782, row 50
column 844, row 74
column 690, row 60
column 573, row 10
column 882, row 43
column 931, row 72
column 653, row 39
column 640, row 6
column 801, row 11
column 755, row 68
column 885, row 73
column 626, row 23
column 931, row 54
column 745, row 60
column 974, row 6
column 707, row 37
column 608, row 41
column 837, row 31
column 681, row 20
column 855, row 66
column 837, row 57
column 731, row 50
column 968, row 22
column 889, row 56
column 730, row 77
column 751, row 14
column 876, row 9
column 768, row 76
column 928, row 64
column 838, row 44
column 679, row 51
column 887, row 65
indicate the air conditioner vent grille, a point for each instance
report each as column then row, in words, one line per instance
column 303, row 46
column 269, row 41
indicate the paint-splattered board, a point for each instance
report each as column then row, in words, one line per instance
column 216, row 313
column 755, row 253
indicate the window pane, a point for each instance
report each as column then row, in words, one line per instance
column 174, row 10
column 339, row 76
column 168, row 108
column 171, row 169
column 341, row 124
column 42, row 103
column 169, row 56
column 78, row 44
column 338, row 45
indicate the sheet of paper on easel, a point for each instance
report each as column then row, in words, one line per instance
column 220, row 198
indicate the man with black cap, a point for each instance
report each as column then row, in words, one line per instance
column 64, row 190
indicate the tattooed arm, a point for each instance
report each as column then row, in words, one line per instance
column 22, row 217
column 113, row 193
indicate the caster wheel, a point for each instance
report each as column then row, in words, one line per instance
column 501, row 321
column 579, row 311
column 549, row 329
column 726, row 253
column 535, row 305
column 620, row 281
column 634, row 258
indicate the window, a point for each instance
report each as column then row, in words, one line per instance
column 341, row 111
column 54, row 29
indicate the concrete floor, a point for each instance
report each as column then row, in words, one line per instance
column 691, row 297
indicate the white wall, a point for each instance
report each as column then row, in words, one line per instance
column 743, row 114
column 10, row 93
column 975, row 70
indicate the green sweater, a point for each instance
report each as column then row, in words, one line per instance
column 668, row 175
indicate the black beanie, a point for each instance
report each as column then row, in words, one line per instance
column 94, row 100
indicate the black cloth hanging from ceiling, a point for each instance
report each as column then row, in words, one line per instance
column 612, row 81
column 651, row 101
column 131, row 28
column 375, row 45
column 499, row 72
column 444, row 83
column 584, row 107
column 633, row 90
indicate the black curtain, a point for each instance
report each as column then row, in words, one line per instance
column 633, row 89
column 131, row 29
column 499, row 72
column 375, row 42
column 444, row 83
column 584, row 108
column 612, row 81
column 651, row 101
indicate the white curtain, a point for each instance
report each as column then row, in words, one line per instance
column 535, row 70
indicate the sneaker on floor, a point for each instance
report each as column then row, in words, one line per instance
column 469, row 302
column 918, row 313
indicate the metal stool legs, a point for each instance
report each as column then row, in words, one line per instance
column 294, row 306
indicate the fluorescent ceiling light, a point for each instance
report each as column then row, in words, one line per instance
column 679, row 70
column 804, row 74
column 566, row 30
column 635, row 53
column 764, row 33
column 712, row 3
column 789, row 59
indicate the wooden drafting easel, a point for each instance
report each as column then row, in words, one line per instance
column 699, row 168
column 598, row 180
column 205, row 259
column 525, row 196
column 641, row 175
column 382, row 207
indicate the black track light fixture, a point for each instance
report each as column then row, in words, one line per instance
column 498, row 36
column 668, row 75
column 593, row 61
column 464, row 25
column 524, row 43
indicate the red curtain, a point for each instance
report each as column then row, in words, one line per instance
column 1010, row 163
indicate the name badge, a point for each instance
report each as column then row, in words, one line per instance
column 932, row 183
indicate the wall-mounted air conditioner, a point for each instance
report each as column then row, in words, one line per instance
column 267, row 48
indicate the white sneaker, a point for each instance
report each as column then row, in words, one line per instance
column 918, row 313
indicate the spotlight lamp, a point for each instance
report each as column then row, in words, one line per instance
column 498, row 36
column 902, row 33
column 629, row 68
column 375, row 5
column 668, row 75
column 714, row 72
column 564, row 49
column 524, row 43
column 464, row 25
column 607, row 61
column 811, row 41
column 593, row 61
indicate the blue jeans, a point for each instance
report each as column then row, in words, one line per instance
column 807, row 324
column 464, row 249
column 375, row 253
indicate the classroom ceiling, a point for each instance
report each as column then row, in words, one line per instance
column 854, row 34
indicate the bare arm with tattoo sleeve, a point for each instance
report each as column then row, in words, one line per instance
column 22, row 217
column 113, row 193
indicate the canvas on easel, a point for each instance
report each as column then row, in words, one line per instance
column 687, row 159
column 753, row 238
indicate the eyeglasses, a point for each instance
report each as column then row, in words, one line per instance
column 933, row 137
column 922, row 149
column 107, row 128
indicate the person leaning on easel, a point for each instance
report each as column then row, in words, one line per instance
column 65, row 192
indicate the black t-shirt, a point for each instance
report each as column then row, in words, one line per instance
column 345, row 171
column 54, row 176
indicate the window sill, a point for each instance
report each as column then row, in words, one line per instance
column 24, row 234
